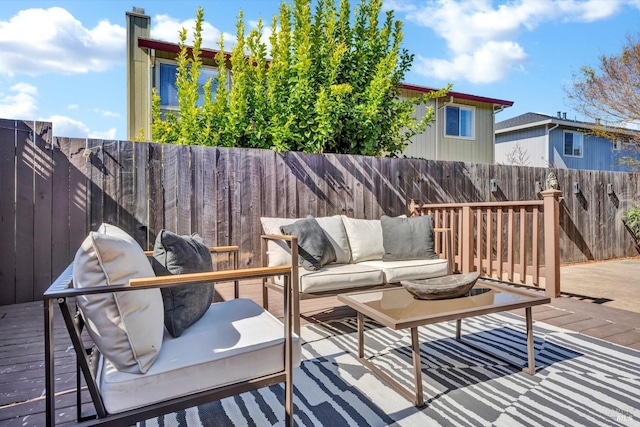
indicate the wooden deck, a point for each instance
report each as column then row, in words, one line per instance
column 22, row 345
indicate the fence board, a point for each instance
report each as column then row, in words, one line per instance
column 140, row 209
column 170, row 185
column 209, row 196
column 42, row 212
column 111, row 199
column 78, row 195
column 155, row 192
column 7, row 211
column 126, row 192
column 24, row 241
column 184, row 191
column 197, row 210
column 60, row 246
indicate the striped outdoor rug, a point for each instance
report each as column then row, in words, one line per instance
column 580, row 380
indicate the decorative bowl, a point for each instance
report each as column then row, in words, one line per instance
column 451, row 286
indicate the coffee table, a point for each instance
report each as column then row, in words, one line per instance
column 397, row 309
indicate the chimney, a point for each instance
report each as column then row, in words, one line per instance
column 564, row 116
column 559, row 114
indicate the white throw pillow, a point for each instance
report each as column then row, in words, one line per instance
column 365, row 238
column 127, row 327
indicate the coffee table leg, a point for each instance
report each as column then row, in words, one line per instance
column 458, row 328
column 417, row 367
column 360, row 335
column 531, row 369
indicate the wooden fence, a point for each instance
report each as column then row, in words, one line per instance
column 54, row 190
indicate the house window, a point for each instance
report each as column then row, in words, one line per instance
column 617, row 144
column 168, row 90
column 459, row 121
column 573, row 144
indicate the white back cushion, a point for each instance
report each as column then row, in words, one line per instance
column 278, row 251
column 365, row 238
column 127, row 327
column 334, row 229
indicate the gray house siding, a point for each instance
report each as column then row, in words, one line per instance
column 533, row 142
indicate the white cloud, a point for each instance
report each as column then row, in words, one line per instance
column 38, row 41
column 398, row 6
column 20, row 103
column 73, row 107
column 167, row 28
column 71, row 128
column 481, row 37
column 106, row 113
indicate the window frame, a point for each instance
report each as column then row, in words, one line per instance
column 472, row 110
column 564, row 144
column 158, row 64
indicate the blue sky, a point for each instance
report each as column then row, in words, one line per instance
column 64, row 61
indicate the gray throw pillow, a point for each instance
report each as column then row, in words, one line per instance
column 174, row 254
column 407, row 238
column 314, row 248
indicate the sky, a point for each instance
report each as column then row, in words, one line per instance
column 64, row 61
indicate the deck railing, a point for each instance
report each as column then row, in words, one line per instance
column 516, row 241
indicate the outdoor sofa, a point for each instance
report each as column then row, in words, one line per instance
column 157, row 344
column 336, row 254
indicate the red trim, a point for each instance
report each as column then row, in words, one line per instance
column 458, row 95
column 175, row 48
column 211, row 53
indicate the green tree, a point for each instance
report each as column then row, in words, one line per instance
column 610, row 96
column 327, row 87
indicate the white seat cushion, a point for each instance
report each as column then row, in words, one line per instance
column 395, row 271
column 339, row 276
column 234, row 341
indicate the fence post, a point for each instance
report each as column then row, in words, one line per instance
column 466, row 234
column 551, row 242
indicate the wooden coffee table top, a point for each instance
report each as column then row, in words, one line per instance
column 396, row 308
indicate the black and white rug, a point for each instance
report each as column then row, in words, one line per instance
column 579, row 380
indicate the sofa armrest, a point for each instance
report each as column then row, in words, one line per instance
column 448, row 254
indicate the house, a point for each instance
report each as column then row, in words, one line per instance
column 534, row 139
column 463, row 129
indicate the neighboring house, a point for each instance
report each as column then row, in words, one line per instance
column 463, row 129
column 549, row 141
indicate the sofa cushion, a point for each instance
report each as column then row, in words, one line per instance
column 234, row 341
column 407, row 238
column 278, row 252
column 365, row 238
column 314, row 248
column 127, row 327
column 334, row 229
column 395, row 271
column 334, row 277
column 174, row 254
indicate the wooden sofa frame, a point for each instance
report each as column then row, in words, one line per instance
column 88, row 357
column 297, row 296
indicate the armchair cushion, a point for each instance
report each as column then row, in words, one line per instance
column 126, row 326
column 407, row 238
column 174, row 254
column 315, row 249
column 235, row 340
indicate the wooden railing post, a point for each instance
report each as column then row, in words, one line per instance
column 466, row 234
column 552, row 242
